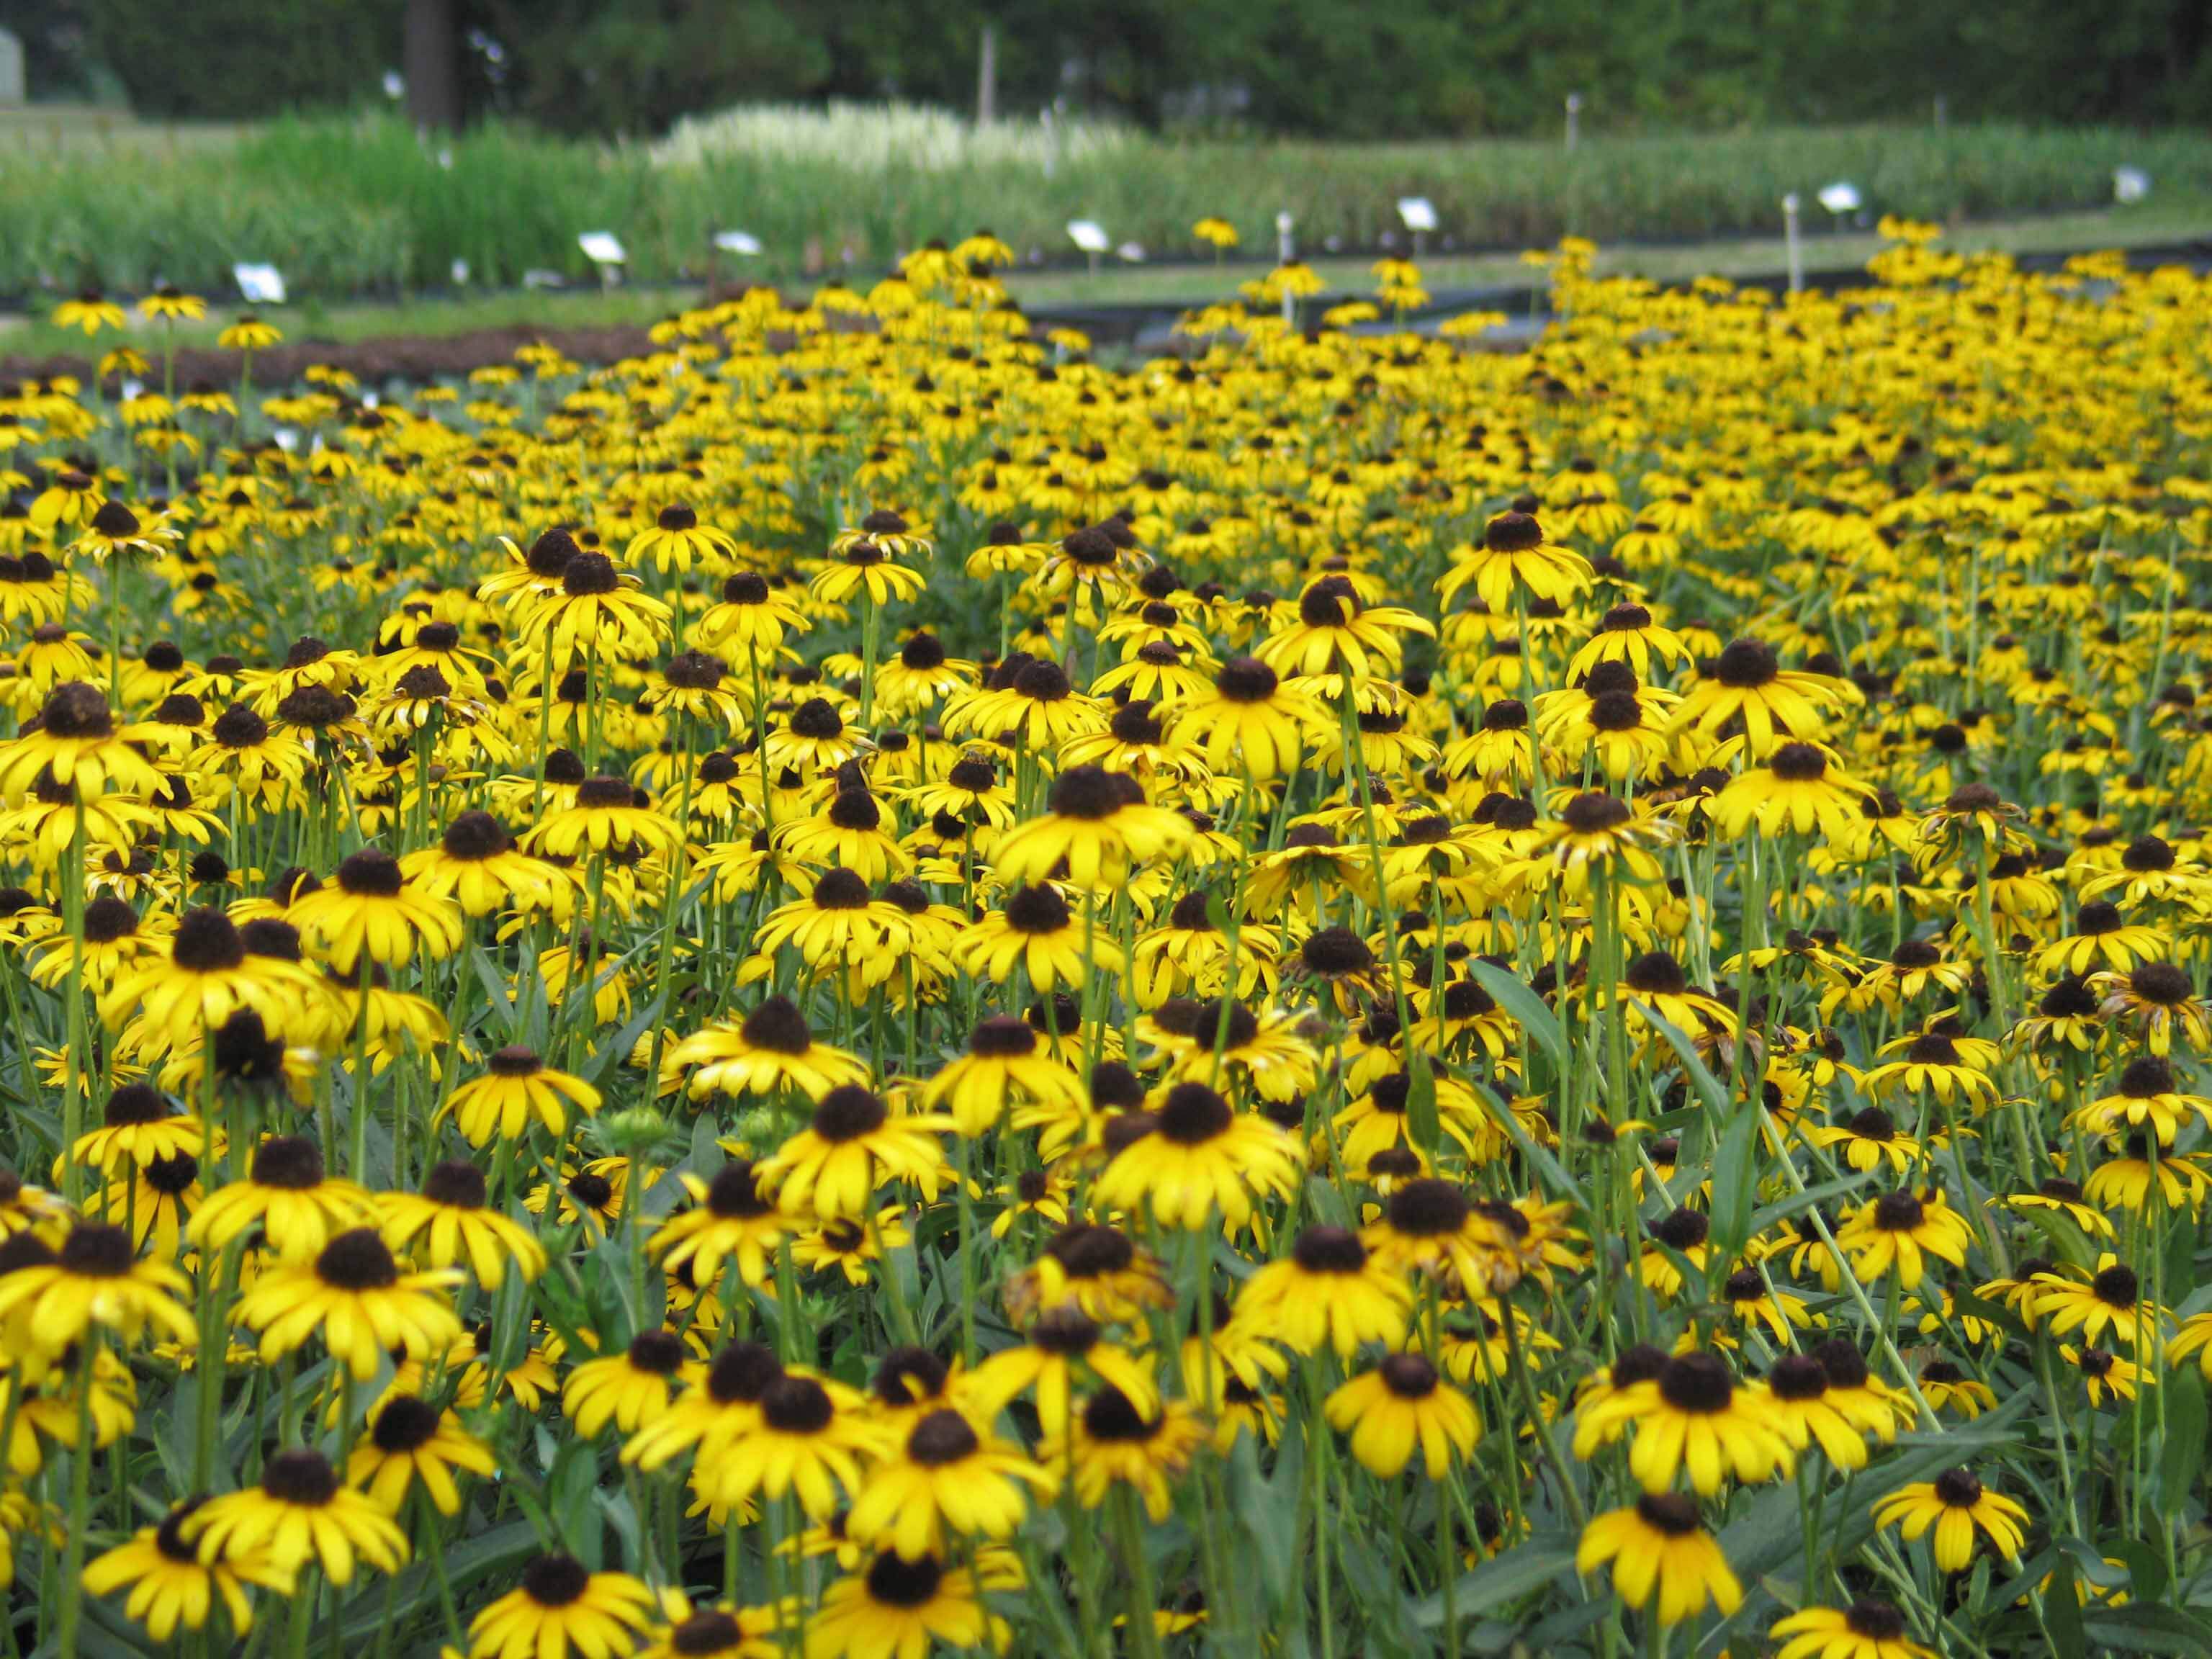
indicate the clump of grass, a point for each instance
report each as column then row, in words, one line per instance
column 351, row 206
column 885, row 137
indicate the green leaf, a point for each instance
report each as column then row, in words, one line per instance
column 1328, row 1203
column 603, row 1064
column 1527, row 1008
column 2067, row 1241
column 1783, row 1209
column 1766, row 1534
column 1421, row 1106
column 2182, row 1458
column 2062, row 1611
column 1505, row 1578
column 1735, row 1186
column 482, row 1561
column 2146, row 1568
column 2144, row 1627
column 1269, row 1511
column 1701, row 1078
column 2180, row 1265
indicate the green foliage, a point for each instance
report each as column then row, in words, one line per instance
column 1343, row 68
column 361, row 206
column 229, row 59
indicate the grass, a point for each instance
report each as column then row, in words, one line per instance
column 353, row 206
column 1733, row 257
column 1178, row 284
column 439, row 314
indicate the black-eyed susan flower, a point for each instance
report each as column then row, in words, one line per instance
column 1748, row 682
column 1692, row 1416
column 1201, row 1158
column 729, row 1223
column 629, row 1389
column 1868, row 1139
column 172, row 1589
column 475, row 863
column 1099, row 827
column 2148, row 1098
column 91, row 310
column 856, row 1142
column 1515, row 562
column 1252, row 725
column 95, row 1281
column 1796, row 791
column 77, row 743
column 2102, row 939
column 1661, row 1557
column 369, row 912
column 1798, row 1390
column 452, row 1223
column 1005, row 1065
column 718, row 1406
column 945, row 1480
column 1094, row 1266
column 1401, row 1408
column 1955, row 1506
column 1951, row 1069
column 1113, row 1442
column 598, row 608
column 1036, row 932
column 898, row 1608
column 1330, row 1292
column 354, row 1297
column 770, row 1050
column 1901, row 1232
column 751, row 622
column 1428, row 1224
column 1867, row 1629
column 2142, row 1173
column 2113, row 1300
column 562, row 1608
column 2157, row 1001
column 676, row 540
column 808, row 1441
column 518, row 1090
column 288, row 1194
column 1945, row 1387
column 300, row 1513
column 412, row 1443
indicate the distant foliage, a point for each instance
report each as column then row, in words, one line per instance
column 877, row 137
column 360, row 206
column 1329, row 67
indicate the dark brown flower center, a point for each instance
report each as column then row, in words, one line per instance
column 797, row 1405
column 941, row 1437
column 555, row 1580
column 778, row 1026
column 405, row 1424
column 357, row 1260
column 302, row 1476
column 1698, row 1383
column 1747, row 665
column 1959, row 1489
column 290, row 1163
column 1668, row 1513
column 847, row 1113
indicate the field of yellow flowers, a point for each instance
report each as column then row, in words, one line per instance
column 866, row 988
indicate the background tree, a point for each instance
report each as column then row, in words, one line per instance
column 1347, row 68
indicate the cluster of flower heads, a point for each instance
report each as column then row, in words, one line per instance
column 864, row 984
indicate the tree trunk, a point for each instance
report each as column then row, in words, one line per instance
column 433, row 65
column 986, row 79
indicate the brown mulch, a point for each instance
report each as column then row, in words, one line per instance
column 373, row 362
